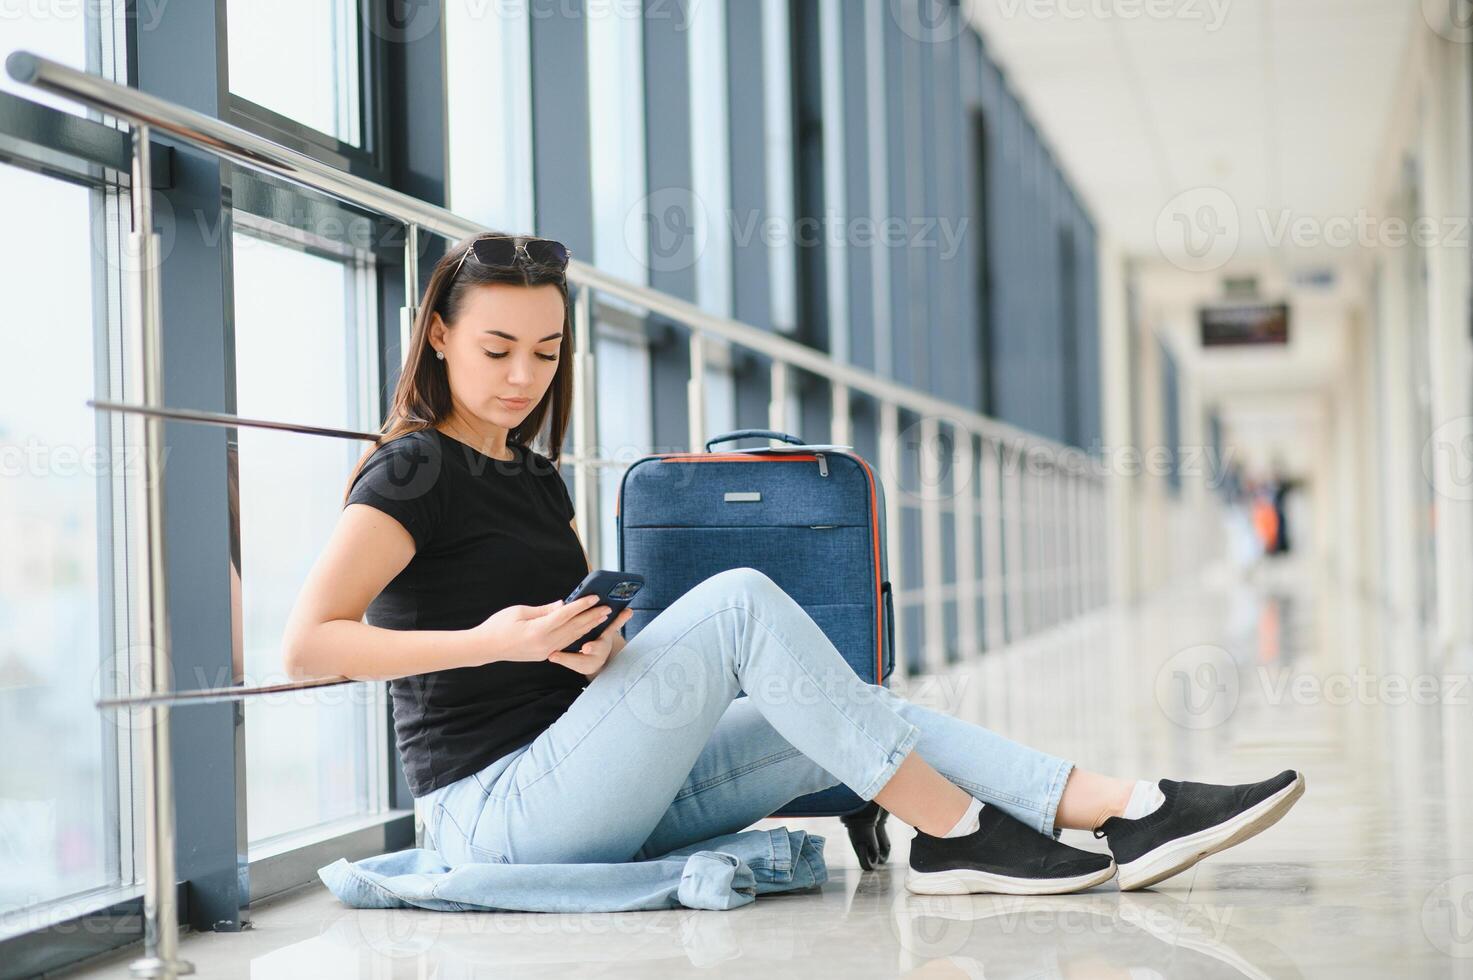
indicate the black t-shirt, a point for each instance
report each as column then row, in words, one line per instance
column 488, row 534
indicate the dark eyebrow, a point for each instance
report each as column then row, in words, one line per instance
column 551, row 336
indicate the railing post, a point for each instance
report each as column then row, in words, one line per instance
column 963, row 475
column 160, row 911
column 932, row 569
column 695, row 392
column 894, row 528
column 1054, row 542
column 777, row 399
column 411, row 289
column 1078, row 551
column 1039, row 484
column 585, row 426
column 994, row 576
column 839, row 422
column 1016, row 574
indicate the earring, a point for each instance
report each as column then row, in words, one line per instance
column 440, row 354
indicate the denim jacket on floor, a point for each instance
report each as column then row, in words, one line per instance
column 723, row 872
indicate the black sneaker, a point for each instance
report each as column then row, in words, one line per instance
column 1196, row 819
column 1004, row 856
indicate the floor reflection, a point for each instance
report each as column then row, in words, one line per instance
column 1371, row 875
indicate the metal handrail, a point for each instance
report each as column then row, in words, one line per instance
column 214, row 695
column 245, row 147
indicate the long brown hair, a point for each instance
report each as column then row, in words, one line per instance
column 422, row 396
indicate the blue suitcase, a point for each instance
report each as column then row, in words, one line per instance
column 812, row 518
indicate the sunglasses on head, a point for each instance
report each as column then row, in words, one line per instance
column 502, row 251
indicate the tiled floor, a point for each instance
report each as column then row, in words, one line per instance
column 1371, row 875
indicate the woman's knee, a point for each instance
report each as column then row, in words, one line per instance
column 747, row 581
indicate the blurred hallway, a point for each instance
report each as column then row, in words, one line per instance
column 1219, row 681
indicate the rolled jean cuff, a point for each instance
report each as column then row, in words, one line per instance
column 902, row 749
column 1052, row 798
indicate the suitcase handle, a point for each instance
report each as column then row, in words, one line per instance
column 889, row 667
column 753, row 433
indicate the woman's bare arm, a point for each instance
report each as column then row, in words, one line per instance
column 325, row 635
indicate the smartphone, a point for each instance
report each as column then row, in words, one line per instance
column 615, row 589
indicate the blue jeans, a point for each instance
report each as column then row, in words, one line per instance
column 658, row 751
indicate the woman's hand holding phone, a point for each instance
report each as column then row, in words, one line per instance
column 531, row 633
column 594, row 654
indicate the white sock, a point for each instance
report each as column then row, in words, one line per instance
column 970, row 821
column 1144, row 799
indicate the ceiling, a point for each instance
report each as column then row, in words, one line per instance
column 1278, row 104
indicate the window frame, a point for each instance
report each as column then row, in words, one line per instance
column 52, row 144
column 370, row 160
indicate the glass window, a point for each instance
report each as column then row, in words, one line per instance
column 488, row 64
column 623, row 380
column 59, row 827
column 299, row 58
column 60, row 38
column 303, row 337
